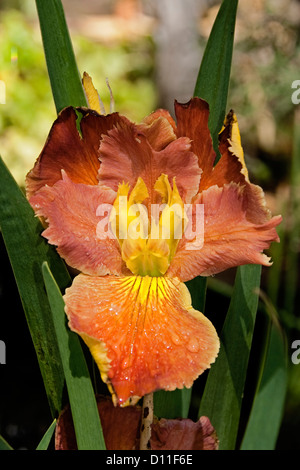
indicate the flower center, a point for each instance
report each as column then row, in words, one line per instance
column 148, row 234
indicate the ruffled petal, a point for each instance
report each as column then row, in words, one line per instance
column 76, row 214
column 67, row 150
column 159, row 129
column 126, row 155
column 192, row 121
column 230, row 239
column 142, row 331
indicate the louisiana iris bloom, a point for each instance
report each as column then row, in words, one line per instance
column 129, row 302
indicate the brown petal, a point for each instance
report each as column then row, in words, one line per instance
column 159, row 128
column 67, row 150
column 126, row 155
column 192, row 122
column 183, row 434
column 120, row 427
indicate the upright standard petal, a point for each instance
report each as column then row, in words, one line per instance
column 73, row 147
column 192, row 122
column 142, row 331
column 126, row 154
column 159, row 129
column 78, row 224
column 230, row 239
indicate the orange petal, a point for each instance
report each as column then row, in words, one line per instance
column 70, row 210
column 230, row 239
column 68, row 150
column 152, row 337
column 126, row 155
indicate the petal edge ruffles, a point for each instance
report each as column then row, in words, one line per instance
column 230, row 239
column 153, row 337
column 71, row 211
column 126, row 155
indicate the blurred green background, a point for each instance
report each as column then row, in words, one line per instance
column 138, row 46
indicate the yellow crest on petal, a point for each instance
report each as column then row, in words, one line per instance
column 148, row 241
column 236, row 148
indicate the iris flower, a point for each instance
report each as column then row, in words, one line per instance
column 129, row 302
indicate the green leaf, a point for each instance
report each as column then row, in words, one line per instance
column 4, row 444
column 45, row 441
column 291, row 258
column 214, row 74
column 171, row 405
column 27, row 250
column 264, row 421
column 222, row 397
column 65, row 80
column 83, row 404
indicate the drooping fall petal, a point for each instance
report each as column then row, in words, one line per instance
column 230, row 239
column 126, row 155
column 72, row 213
column 142, row 331
column 68, row 149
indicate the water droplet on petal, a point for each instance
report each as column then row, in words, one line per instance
column 193, row 345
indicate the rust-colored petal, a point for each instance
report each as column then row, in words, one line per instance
column 183, row 434
column 159, row 129
column 230, row 239
column 66, row 149
column 126, row 155
column 72, row 213
column 149, row 336
column 121, row 430
column 120, row 426
column 192, row 122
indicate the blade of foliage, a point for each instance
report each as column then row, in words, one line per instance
column 84, row 409
column 62, row 69
column 4, row 445
column 173, row 404
column 45, row 441
column 27, row 250
column 222, row 397
column 292, row 252
column 214, row 73
column 264, row 421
